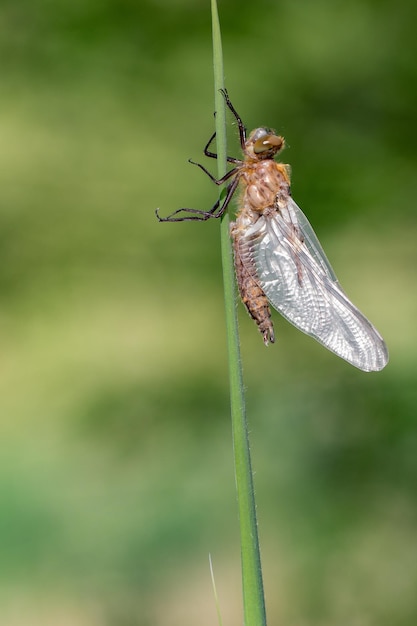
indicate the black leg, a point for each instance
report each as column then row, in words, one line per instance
column 216, row 181
column 242, row 129
column 213, row 155
column 202, row 216
column 207, row 152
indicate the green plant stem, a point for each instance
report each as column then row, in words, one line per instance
column 253, row 595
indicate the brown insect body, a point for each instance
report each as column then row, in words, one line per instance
column 262, row 181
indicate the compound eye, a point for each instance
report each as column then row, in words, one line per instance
column 267, row 143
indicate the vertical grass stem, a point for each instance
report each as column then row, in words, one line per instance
column 253, row 595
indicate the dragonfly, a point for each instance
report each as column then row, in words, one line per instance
column 278, row 258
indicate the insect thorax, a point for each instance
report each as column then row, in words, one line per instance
column 262, row 182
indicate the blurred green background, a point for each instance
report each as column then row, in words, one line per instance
column 116, row 475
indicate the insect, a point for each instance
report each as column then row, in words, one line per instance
column 279, row 260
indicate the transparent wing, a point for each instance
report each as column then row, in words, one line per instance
column 299, row 282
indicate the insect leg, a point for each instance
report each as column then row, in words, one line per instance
column 213, row 155
column 202, row 216
column 207, row 152
column 216, row 181
column 240, row 125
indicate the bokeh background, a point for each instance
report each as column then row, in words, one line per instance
column 116, row 475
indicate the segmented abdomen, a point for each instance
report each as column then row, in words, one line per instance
column 251, row 293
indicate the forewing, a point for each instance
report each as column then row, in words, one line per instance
column 299, row 282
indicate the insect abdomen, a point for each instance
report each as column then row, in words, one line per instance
column 251, row 293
